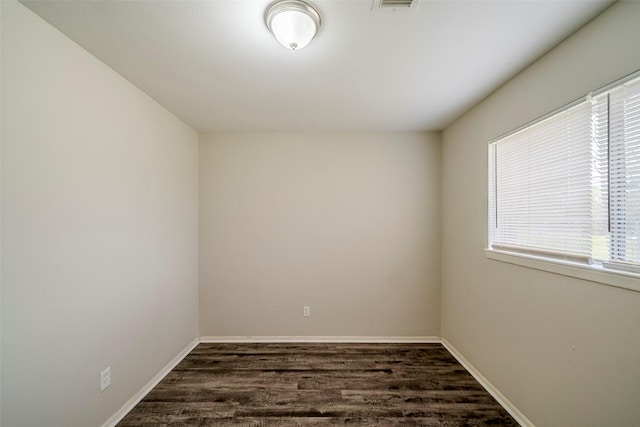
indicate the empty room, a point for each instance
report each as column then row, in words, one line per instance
column 320, row 212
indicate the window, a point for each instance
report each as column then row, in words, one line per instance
column 567, row 187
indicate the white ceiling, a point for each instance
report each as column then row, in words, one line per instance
column 215, row 64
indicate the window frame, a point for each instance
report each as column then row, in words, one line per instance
column 605, row 272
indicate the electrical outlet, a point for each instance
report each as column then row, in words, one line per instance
column 306, row 311
column 105, row 378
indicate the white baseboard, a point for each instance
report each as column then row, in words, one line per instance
column 493, row 391
column 118, row 416
column 319, row 339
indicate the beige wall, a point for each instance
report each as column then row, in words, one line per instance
column 566, row 352
column 346, row 223
column 99, row 231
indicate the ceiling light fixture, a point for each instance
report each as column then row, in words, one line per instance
column 293, row 22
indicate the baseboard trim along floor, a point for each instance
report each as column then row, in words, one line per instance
column 321, row 339
column 491, row 389
column 500, row 398
column 131, row 403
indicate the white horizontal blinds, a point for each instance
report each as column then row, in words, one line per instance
column 492, row 196
column 510, row 188
column 600, row 177
column 578, row 219
column 624, row 166
column 543, row 184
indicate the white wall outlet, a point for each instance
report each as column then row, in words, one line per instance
column 105, row 378
column 306, row 311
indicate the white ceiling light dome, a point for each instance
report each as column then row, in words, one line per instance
column 294, row 23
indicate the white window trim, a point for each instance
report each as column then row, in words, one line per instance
column 592, row 273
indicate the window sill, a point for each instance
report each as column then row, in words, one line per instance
column 592, row 273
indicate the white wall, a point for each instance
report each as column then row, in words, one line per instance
column 347, row 223
column 566, row 352
column 99, row 230
column 1, row 301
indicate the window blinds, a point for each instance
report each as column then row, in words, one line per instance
column 625, row 172
column 542, row 186
column 568, row 186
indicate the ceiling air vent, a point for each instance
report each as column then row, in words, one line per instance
column 394, row 5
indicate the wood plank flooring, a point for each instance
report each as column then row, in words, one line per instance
column 318, row 385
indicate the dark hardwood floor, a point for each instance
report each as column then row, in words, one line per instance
column 318, row 385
